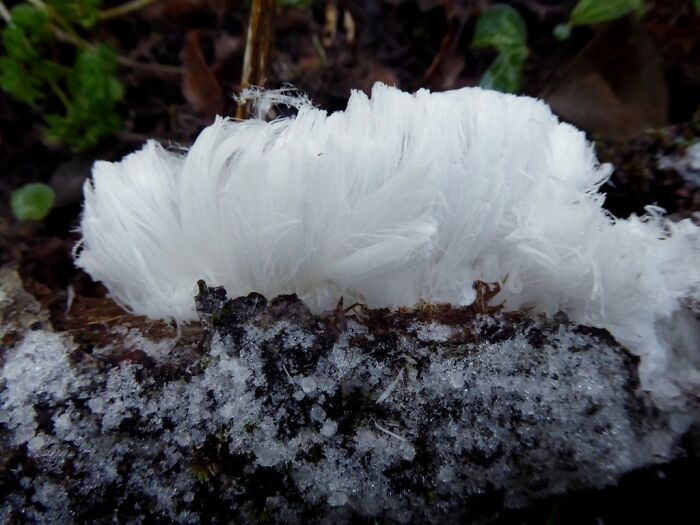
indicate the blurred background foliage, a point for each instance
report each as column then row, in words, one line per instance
column 89, row 79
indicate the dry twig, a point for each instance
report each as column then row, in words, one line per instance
column 257, row 49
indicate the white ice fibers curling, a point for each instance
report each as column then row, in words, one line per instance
column 397, row 199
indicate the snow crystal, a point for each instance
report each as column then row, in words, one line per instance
column 336, row 499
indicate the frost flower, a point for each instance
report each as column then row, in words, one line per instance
column 397, row 199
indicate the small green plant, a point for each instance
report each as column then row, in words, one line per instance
column 32, row 201
column 93, row 92
column 502, row 28
column 87, row 90
column 589, row 12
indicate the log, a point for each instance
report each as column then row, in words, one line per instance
column 432, row 414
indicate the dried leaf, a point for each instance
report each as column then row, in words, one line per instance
column 200, row 87
column 615, row 88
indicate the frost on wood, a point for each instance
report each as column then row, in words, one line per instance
column 398, row 199
column 429, row 415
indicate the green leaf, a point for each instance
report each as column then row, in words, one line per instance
column 32, row 201
column 28, row 28
column 589, row 12
column 506, row 72
column 82, row 12
column 30, row 19
column 500, row 27
column 18, row 45
column 18, row 82
column 696, row 3
column 93, row 93
column 23, row 71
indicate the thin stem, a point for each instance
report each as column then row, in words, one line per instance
column 63, row 32
column 37, row 3
column 59, row 94
column 125, row 9
column 81, row 43
column 257, row 48
column 155, row 68
column 319, row 49
column 5, row 12
column 60, row 21
column 71, row 38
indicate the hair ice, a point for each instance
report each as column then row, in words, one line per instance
column 397, row 199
